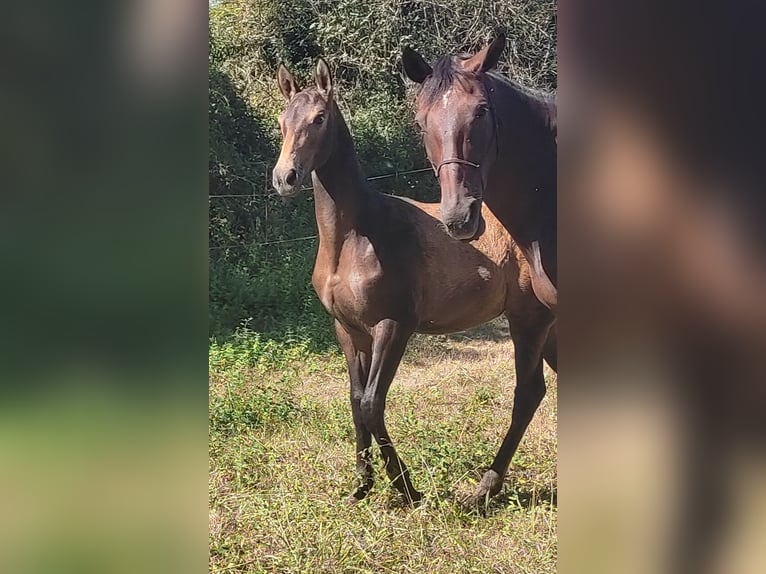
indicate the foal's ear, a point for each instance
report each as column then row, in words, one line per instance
column 488, row 57
column 323, row 79
column 287, row 84
column 415, row 67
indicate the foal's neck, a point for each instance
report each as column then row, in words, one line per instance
column 340, row 191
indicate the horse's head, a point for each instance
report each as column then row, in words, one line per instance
column 459, row 125
column 306, row 128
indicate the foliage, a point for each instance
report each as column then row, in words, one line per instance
column 267, row 284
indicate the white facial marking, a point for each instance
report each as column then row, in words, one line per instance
column 445, row 98
column 484, row 273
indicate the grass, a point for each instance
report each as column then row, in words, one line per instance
column 282, row 461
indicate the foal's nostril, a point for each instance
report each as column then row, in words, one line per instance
column 292, row 175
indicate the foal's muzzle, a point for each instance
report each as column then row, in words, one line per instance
column 287, row 181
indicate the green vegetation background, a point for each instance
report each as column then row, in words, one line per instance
column 262, row 289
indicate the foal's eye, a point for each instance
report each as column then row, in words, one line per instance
column 481, row 111
column 319, row 120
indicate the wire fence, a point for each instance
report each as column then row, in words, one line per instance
column 373, row 178
column 395, row 174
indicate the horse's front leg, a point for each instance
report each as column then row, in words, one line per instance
column 388, row 344
column 358, row 362
column 529, row 334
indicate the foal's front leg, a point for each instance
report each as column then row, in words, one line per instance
column 388, row 344
column 358, row 362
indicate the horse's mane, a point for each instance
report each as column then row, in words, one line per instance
column 447, row 71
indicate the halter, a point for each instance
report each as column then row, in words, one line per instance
column 449, row 160
column 462, row 161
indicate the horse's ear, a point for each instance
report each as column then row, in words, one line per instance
column 415, row 67
column 287, row 84
column 488, row 57
column 323, row 79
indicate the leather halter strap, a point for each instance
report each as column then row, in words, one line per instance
column 449, row 160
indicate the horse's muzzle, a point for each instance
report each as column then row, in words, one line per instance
column 464, row 223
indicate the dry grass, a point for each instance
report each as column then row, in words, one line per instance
column 281, row 464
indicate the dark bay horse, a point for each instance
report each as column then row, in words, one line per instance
column 490, row 139
column 386, row 268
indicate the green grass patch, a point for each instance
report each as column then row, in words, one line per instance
column 282, row 463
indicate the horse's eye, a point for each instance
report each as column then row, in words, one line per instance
column 481, row 111
column 319, row 120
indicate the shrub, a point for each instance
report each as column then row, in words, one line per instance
column 252, row 277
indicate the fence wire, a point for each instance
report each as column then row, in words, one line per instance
column 294, row 239
column 373, row 178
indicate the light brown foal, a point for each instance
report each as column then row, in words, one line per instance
column 387, row 268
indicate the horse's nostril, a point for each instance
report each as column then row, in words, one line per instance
column 292, row 175
column 473, row 211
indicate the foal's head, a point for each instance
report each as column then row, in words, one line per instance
column 459, row 125
column 306, row 128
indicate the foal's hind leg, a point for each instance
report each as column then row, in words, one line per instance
column 358, row 362
column 389, row 342
column 529, row 331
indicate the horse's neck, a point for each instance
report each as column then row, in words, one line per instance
column 340, row 193
column 521, row 188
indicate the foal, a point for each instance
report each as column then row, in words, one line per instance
column 386, row 268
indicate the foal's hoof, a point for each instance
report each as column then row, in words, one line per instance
column 356, row 497
column 359, row 494
column 414, row 499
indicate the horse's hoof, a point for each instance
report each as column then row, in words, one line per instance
column 491, row 483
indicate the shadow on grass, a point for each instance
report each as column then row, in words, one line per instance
column 495, row 330
column 424, row 349
column 508, row 500
column 526, row 498
column 512, row 500
column 425, row 355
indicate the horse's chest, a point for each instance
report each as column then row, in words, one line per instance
column 347, row 294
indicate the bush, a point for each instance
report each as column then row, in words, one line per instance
column 252, row 278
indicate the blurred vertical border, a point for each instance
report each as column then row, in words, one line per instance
column 103, row 257
column 662, row 324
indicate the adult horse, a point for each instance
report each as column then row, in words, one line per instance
column 490, row 139
column 386, row 268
